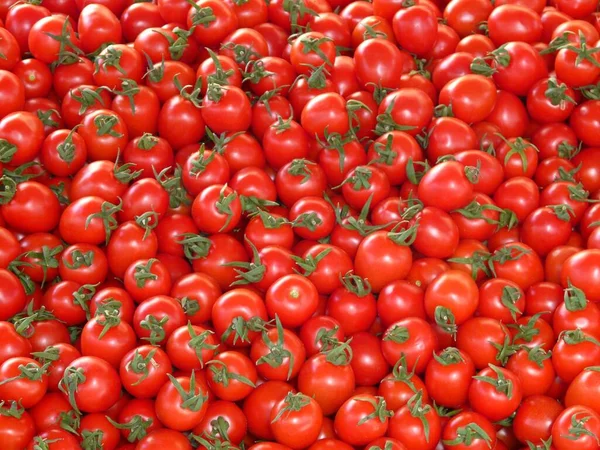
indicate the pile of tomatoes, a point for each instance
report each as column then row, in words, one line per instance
column 300, row 225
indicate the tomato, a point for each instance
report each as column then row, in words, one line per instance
column 301, row 412
column 54, row 439
column 91, row 384
column 144, row 371
column 406, row 109
column 329, row 381
column 482, row 433
column 42, row 40
column 259, row 405
column 416, row 425
column 182, row 402
column 164, row 436
column 448, row 376
column 392, row 250
column 412, row 337
column 416, row 21
column 576, row 424
column 534, row 418
column 451, row 299
column 575, row 271
column 231, row 376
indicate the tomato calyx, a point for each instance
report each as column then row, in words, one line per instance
column 412, row 174
column 385, row 154
column 177, row 46
column 583, row 51
column 335, row 141
column 15, row 410
column 351, row 107
column 400, row 373
column 510, row 296
column 444, row 318
column 66, row 149
column 195, row 246
column 108, row 319
column 500, row 57
column 355, row 284
column 156, row 71
column 46, row 117
column 143, row 273
column 506, row 254
column 49, row 355
column 72, row 378
column 397, row 334
column 556, row 93
column 9, row 191
column 140, row 364
column 379, row 91
column 7, row 151
column 442, row 110
column 301, row 167
column 528, row 331
column 242, row 54
column 104, row 125
column 190, row 400
column 24, row 320
column 111, row 57
column 41, row 443
column 405, row 237
column 198, row 342
column 240, row 328
column 46, row 258
column 307, row 220
column 88, row 97
column 297, row 9
column 129, row 89
column 221, row 375
column 449, row 356
column 252, row 204
column 137, row 427
column 148, row 221
column 255, row 70
column 15, row 267
column 468, row 434
column 220, row 76
column 505, row 350
column 202, row 16
column 107, row 216
column 248, row 272
column 68, row 52
column 340, row 353
column 212, row 444
column 293, row 403
column 578, row 193
column 574, row 298
column 70, row 421
column 59, row 190
column 92, row 439
column 591, row 92
column 147, row 142
column 380, row 412
column 155, row 327
column 559, row 42
column 386, row 123
column 545, row 445
column 419, row 410
column 372, row 33
column 278, row 353
column 326, row 338
column 574, row 337
column 578, row 429
column 537, row 355
column 517, row 147
column 310, row 263
column 500, row 383
column 223, row 205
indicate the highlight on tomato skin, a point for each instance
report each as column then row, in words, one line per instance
column 299, row 225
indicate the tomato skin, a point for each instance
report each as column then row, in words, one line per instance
column 414, row 21
column 454, row 290
column 164, row 436
column 12, row 295
column 441, row 177
column 330, row 385
column 451, row 431
column 37, row 203
column 534, row 418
